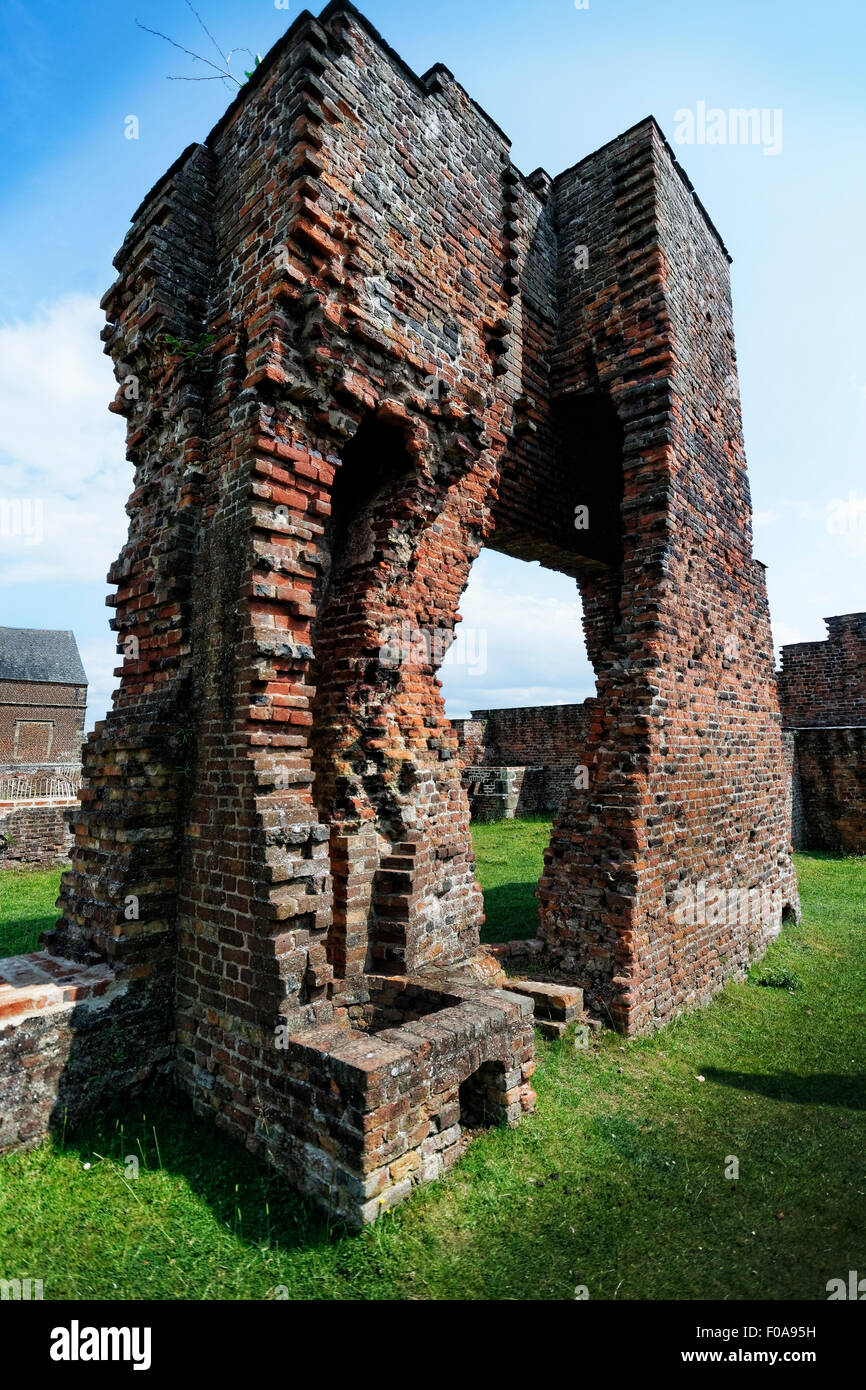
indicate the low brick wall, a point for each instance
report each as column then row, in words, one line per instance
column 824, row 683
column 72, row 1036
column 35, row 832
column 381, row 1103
column 501, row 793
column 822, row 696
column 831, row 770
column 549, row 738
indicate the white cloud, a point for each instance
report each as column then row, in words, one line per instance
column 531, row 637
column 64, row 478
column 785, row 636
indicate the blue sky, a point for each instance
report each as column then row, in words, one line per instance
column 560, row 81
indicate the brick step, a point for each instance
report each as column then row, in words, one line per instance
column 551, row 1002
column 392, row 891
column 39, row 982
column 556, row 1028
column 391, row 957
column 394, row 881
column 391, row 930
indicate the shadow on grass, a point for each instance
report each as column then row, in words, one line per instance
column 20, row 936
column 511, row 912
column 815, row 1088
column 247, row 1197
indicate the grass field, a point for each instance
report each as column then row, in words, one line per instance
column 27, row 899
column 508, row 856
column 617, row 1183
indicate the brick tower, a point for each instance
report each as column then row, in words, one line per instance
column 354, row 344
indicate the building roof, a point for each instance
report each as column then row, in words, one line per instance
column 40, row 654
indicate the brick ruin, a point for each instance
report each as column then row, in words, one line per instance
column 822, row 693
column 35, row 831
column 521, row 761
column 388, row 348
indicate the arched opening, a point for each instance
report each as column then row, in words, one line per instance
column 539, row 616
column 515, row 683
column 482, row 1097
column 367, row 499
column 589, row 454
column 368, row 537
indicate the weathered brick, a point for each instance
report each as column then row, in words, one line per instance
column 424, row 339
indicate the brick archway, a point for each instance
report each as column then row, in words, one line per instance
column 396, row 554
column 228, row 860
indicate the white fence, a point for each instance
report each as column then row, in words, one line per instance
column 58, row 783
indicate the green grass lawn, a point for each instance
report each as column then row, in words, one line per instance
column 27, row 898
column 508, row 856
column 616, row 1183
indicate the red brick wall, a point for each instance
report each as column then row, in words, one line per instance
column 34, row 834
column 831, row 772
column 61, row 707
column 822, row 693
column 824, row 683
column 551, row 737
column 686, row 783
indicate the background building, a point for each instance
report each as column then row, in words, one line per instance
column 43, row 697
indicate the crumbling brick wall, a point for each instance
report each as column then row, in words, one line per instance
column 36, row 833
column 822, row 694
column 685, row 763
column 391, row 354
column 353, row 324
column 283, row 821
column 550, row 737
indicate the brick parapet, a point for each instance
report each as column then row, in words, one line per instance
column 823, row 684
